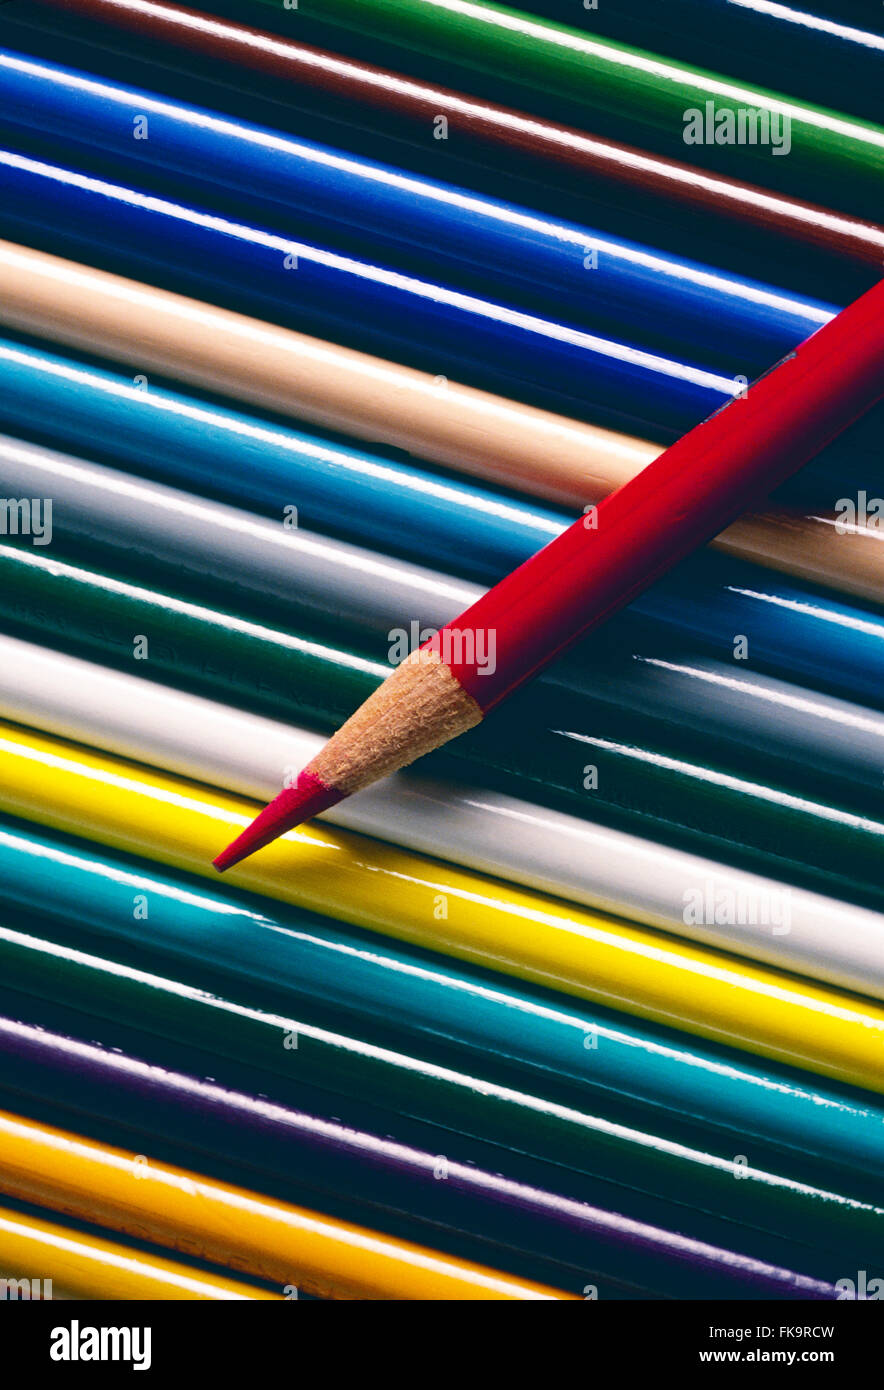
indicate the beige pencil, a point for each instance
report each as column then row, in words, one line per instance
column 534, row 451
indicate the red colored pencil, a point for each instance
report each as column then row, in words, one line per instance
column 604, row 163
column 677, row 503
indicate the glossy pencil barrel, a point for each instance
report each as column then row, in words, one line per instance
column 314, row 963
column 642, row 530
column 263, row 566
column 91, row 1266
column 78, row 1073
column 815, row 50
column 624, row 87
column 756, row 1007
column 355, row 299
column 281, row 1151
column 602, row 868
column 282, row 575
column 527, row 1232
column 278, row 1242
column 648, row 783
column 486, row 126
column 293, row 375
column 318, row 382
column 368, row 498
column 523, row 934
column 522, row 1230
column 609, row 284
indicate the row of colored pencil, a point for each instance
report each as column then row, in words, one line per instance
column 315, row 322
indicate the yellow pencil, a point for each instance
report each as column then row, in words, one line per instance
column 62, row 1261
column 375, row 885
column 296, row 1249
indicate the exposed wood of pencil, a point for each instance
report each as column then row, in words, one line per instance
column 418, row 707
column 726, row 199
column 560, row 460
column 586, row 575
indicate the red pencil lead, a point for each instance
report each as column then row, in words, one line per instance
column 294, row 805
column 586, row 575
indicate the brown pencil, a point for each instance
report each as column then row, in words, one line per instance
column 601, row 163
column 567, row 462
column 588, row 573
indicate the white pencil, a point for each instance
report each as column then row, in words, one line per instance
column 796, row 930
column 306, row 576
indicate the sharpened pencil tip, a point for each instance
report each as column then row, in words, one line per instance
column 294, row 805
